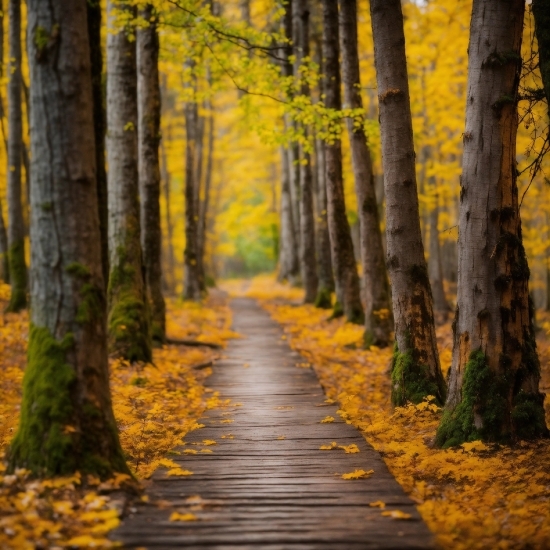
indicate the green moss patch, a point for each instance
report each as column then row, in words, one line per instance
column 18, row 277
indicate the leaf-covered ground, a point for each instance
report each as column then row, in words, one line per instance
column 155, row 406
column 473, row 497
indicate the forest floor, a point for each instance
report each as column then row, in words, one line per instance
column 477, row 496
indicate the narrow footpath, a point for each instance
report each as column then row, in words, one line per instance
column 267, row 485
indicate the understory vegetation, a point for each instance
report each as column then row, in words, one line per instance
column 474, row 496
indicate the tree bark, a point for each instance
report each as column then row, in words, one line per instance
column 378, row 316
column 67, row 422
column 541, row 13
column 204, row 204
column 148, row 93
column 16, row 223
column 324, row 261
column 166, row 184
column 94, row 37
column 348, row 293
column 435, row 267
column 494, row 378
column 129, row 315
column 4, row 266
column 191, row 283
column 308, row 264
column 288, row 257
column 415, row 372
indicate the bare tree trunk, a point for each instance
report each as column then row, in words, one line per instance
column 541, row 13
column 415, row 372
column 67, row 422
column 348, row 293
column 4, row 266
column 204, row 204
column 244, row 6
column 307, row 220
column 324, row 261
column 94, row 37
column 435, row 267
column 148, row 93
column 378, row 316
column 129, row 315
column 288, row 257
column 191, row 283
column 494, row 378
column 16, row 224
column 166, row 184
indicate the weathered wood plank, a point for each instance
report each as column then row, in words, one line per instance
column 259, row 491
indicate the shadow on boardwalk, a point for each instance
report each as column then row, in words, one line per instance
column 270, row 486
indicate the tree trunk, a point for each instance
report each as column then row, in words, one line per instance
column 494, row 378
column 67, row 422
column 129, row 316
column 191, row 283
column 288, row 257
column 435, row 267
column 166, row 184
column 378, row 316
column 415, row 372
column 94, row 36
column 16, row 224
column 244, row 6
column 348, row 294
column 148, row 93
column 324, row 261
column 204, row 204
column 541, row 13
column 307, row 220
column 4, row 266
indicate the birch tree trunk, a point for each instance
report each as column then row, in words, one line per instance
column 67, row 422
column 435, row 267
column 415, row 372
column 129, row 315
column 378, row 316
column 494, row 378
column 541, row 13
column 148, row 93
column 343, row 259
column 191, row 283
column 308, row 264
column 96, row 53
column 324, row 261
column 16, row 223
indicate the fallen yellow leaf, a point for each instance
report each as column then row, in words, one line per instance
column 396, row 514
column 176, row 516
column 358, row 474
column 327, row 420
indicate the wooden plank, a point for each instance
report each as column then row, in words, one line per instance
column 259, row 491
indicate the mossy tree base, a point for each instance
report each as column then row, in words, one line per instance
column 56, row 436
column 485, row 411
column 323, row 299
column 18, row 277
column 412, row 381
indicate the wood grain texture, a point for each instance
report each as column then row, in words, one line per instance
column 258, row 491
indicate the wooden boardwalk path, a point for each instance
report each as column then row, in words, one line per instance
column 260, row 490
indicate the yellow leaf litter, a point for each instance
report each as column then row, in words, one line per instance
column 155, row 407
column 474, row 497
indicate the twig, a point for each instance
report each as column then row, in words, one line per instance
column 194, row 343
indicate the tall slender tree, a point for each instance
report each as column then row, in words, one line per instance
column 129, row 315
column 343, row 257
column 96, row 53
column 378, row 316
column 67, row 422
column 494, row 378
column 308, row 265
column 148, row 93
column 16, row 222
column 541, row 13
column 416, row 372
